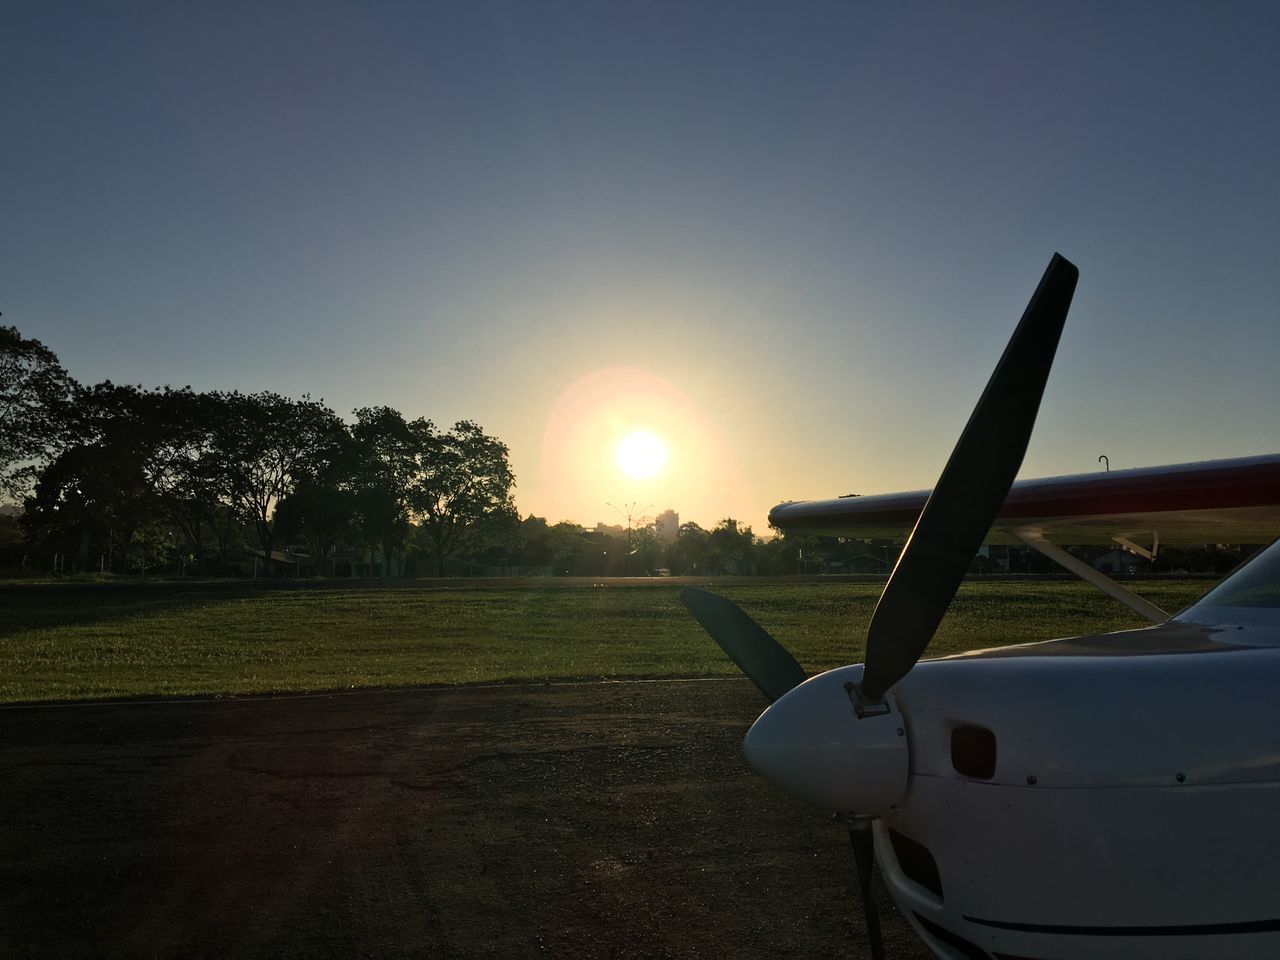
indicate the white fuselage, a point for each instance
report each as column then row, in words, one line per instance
column 1135, row 805
column 1132, row 805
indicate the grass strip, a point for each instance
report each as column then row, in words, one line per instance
column 97, row 642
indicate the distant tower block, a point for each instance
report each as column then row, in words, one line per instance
column 667, row 526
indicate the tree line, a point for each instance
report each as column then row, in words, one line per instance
column 122, row 478
column 125, row 479
column 568, row 549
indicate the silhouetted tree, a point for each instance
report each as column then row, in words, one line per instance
column 557, row 546
column 646, row 550
column 461, row 487
column 688, row 555
column 785, row 552
column 731, row 547
column 567, row 544
column 96, row 496
column 320, row 514
column 184, row 466
column 533, row 547
column 121, row 466
column 268, row 444
column 384, row 457
column 11, row 540
column 34, row 396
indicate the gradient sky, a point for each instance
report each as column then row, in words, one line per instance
column 794, row 236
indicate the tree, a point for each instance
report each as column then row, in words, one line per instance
column 533, row 548
column 183, row 465
column 786, row 552
column 10, row 539
column 689, row 554
column 556, row 546
column 172, row 435
column 95, row 497
column 496, row 538
column 134, row 459
column 34, row 396
column 383, row 461
column 732, row 547
column 568, row 543
column 267, row 445
column 461, row 488
column 646, row 549
column 319, row 513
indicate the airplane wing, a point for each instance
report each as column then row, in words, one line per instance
column 1213, row 501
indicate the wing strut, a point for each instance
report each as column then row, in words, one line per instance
column 1036, row 541
column 1141, row 551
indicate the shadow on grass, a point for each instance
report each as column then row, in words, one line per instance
column 43, row 606
column 35, row 606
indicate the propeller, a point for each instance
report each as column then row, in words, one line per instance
column 763, row 659
column 951, row 527
column 864, row 860
column 968, row 495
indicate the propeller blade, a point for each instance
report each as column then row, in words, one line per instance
column 864, row 859
column 970, row 491
column 763, row 659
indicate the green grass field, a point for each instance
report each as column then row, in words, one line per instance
column 101, row 641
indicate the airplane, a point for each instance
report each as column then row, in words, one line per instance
column 1101, row 796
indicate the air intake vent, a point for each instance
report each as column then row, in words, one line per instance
column 973, row 752
column 917, row 863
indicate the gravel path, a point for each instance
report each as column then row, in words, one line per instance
column 577, row 820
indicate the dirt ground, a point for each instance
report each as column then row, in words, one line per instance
column 579, row 820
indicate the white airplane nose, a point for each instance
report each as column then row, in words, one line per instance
column 813, row 745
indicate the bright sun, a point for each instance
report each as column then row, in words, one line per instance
column 640, row 454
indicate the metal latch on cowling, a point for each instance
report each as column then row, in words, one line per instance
column 864, row 706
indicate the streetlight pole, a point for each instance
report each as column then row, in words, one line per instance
column 627, row 514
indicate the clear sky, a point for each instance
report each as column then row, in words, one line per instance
column 789, row 239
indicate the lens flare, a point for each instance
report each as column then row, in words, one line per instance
column 578, row 468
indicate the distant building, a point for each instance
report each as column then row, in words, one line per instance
column 667, row 526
